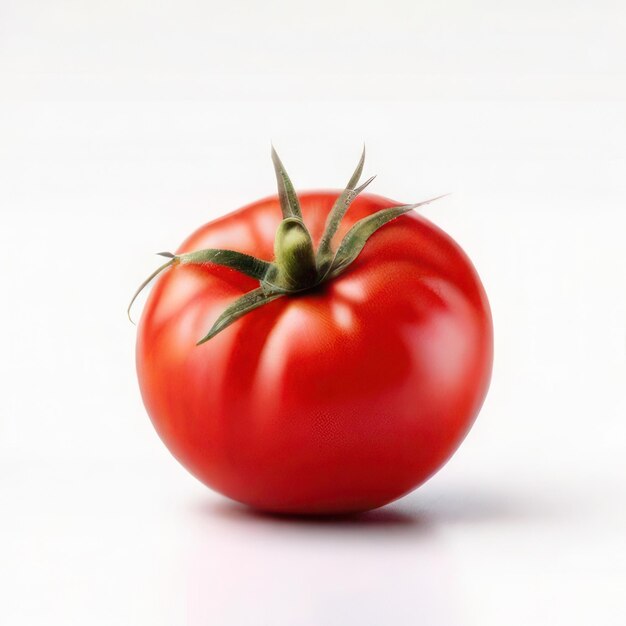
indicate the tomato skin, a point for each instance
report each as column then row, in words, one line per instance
column 338, row 400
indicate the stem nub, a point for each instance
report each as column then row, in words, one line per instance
column 294, row 256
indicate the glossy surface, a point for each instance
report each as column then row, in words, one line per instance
column 338, row 400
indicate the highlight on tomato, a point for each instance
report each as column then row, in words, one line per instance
column 315, row 353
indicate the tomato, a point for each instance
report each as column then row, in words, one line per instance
column 334, row 399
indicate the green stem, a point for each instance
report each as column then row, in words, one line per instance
column 294, row 256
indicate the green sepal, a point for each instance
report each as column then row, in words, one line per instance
column 240, row 307
column 325, row 252
column 244, row 263
column 357, row 236
column 356, row 175
column 289, row 202
column 339, row 209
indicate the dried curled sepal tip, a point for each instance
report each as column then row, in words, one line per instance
column 148, row 280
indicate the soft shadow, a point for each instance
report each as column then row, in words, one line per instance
column 451, row 505
column 379, row 517
column 419, row 511
column 388, row 522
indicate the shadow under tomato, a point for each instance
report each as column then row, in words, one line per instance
column 419, row 511
column 387, row 524
column 377, row 517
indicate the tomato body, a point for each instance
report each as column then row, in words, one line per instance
column 337, row 400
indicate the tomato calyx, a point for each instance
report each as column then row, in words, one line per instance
column 296, row 267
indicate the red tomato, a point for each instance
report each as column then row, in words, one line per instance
column 339, row 399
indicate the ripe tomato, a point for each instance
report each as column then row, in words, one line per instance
column 335, row 399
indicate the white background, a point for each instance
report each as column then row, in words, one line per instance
column 125, row 125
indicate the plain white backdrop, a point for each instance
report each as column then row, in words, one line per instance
column 125, row 125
